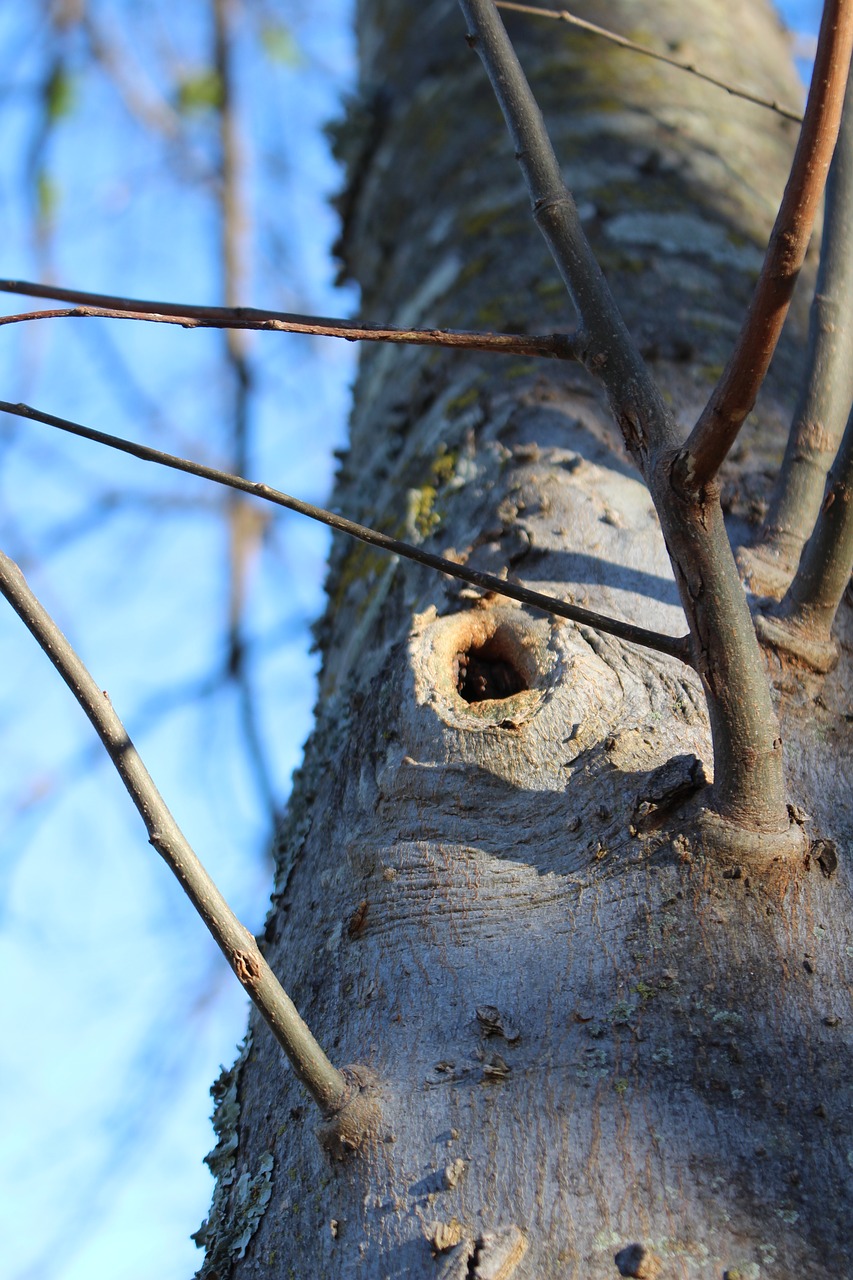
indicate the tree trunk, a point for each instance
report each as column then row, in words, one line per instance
column 597, row 1047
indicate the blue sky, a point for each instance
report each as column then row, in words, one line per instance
column 117, row 1009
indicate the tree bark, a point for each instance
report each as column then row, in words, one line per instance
column 593, row 1043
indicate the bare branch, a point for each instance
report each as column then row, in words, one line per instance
column 605, row 345
column 802, row 623
column 749, row 786
column 127, row 77
column 563, row 15
column 553, row 345
column 675, row 646
column 735, row 394
column 328, row 1086
column 824, row 402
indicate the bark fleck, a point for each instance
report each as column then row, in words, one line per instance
column 358, row 919
column 825, row 852
column 497, row 1254
column 444, row 1235
column 494, row 1023
column 452, row 1174
column 496, row 1068
column 637, row 1261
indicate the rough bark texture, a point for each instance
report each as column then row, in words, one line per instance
column 593, row 1035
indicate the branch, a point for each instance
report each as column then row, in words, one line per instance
column 749, row 786
column 605, row 346
column 554, row 345
column 562, row 15
column 675, row 646
column 328, row 1086
column 827, row 560
column 802, row 623
column 140, row 100
column 735, row 394
column 824, row 401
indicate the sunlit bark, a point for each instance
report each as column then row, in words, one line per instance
column 597, row 1027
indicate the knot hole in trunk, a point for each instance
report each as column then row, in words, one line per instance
column 483, row 667
column 490, row 671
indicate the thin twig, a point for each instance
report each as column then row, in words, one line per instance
column 553, row 345
column 563, row 15
column 675, row 646
column 327, row 1086
column 735, row 393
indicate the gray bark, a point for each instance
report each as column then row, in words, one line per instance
column 590, row 1034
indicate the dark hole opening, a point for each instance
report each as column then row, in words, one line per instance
column 486, row 673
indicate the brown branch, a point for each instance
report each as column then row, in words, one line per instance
column 563, row 15
column 749, row 788
column 735, row 394
column 675, row 646
column 328, row 1087
column 827, row 387
column 561, row 346
column 802, row 623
